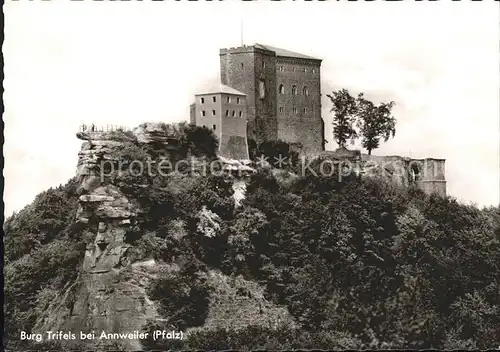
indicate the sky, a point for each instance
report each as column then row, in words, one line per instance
column 126, row 63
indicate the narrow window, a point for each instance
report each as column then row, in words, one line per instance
column 242, row 65
column 240, row 113
column 214, row 127
column 263, row 64
column 305, row 70
column 213, row 112
column 313, row 70
column 281, row 68
column 305, row 110
column 282, row 89
column 228, row 99
column 293, row 69
column 202, row 112
column 214, row 99
column 227, row 112
column 281, row 109
column 305, row 91
column 294, row 90
column 237, row 100
column 294, row 110
column 262, row 89
column 233, row 113
column 202, row 100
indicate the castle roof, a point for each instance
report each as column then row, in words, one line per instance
column 285, row 53
column 221, row 88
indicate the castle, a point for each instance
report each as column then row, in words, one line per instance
column 266, row 93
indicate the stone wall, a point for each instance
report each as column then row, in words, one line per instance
column 427, row 174
column 299, row 114
column 249, row 69
column 192, row 114
column 242, row 69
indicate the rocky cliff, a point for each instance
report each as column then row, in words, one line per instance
column 111, row 291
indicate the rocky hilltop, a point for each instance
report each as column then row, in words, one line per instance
column 341, row 251
column 110, row 292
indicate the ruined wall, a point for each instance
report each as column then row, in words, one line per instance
column 427, row 174
column 430, row 177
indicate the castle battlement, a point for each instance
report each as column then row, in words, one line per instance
column 245, row 49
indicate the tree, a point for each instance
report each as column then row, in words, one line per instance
column 200, row 140
column 344, row 109
column 374, row 122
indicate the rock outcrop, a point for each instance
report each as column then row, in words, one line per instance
column 110, row 293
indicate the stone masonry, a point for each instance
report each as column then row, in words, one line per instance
column 283, row 94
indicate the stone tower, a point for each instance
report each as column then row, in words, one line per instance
column 283, row 94
column 252, row 70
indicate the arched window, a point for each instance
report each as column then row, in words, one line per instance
column 282, row 89
column 305, row 91
column 415, row 173
column 294, row 90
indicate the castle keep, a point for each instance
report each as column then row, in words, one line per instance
column 267, row 93
column 282, row 94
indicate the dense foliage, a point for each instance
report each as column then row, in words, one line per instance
column 43, row 252
column 380, row 266
column 357, row 262
column 183, row 296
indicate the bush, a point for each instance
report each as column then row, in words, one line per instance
column 201, row 141
column 183, row 296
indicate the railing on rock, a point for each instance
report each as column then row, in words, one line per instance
column 93, row 128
